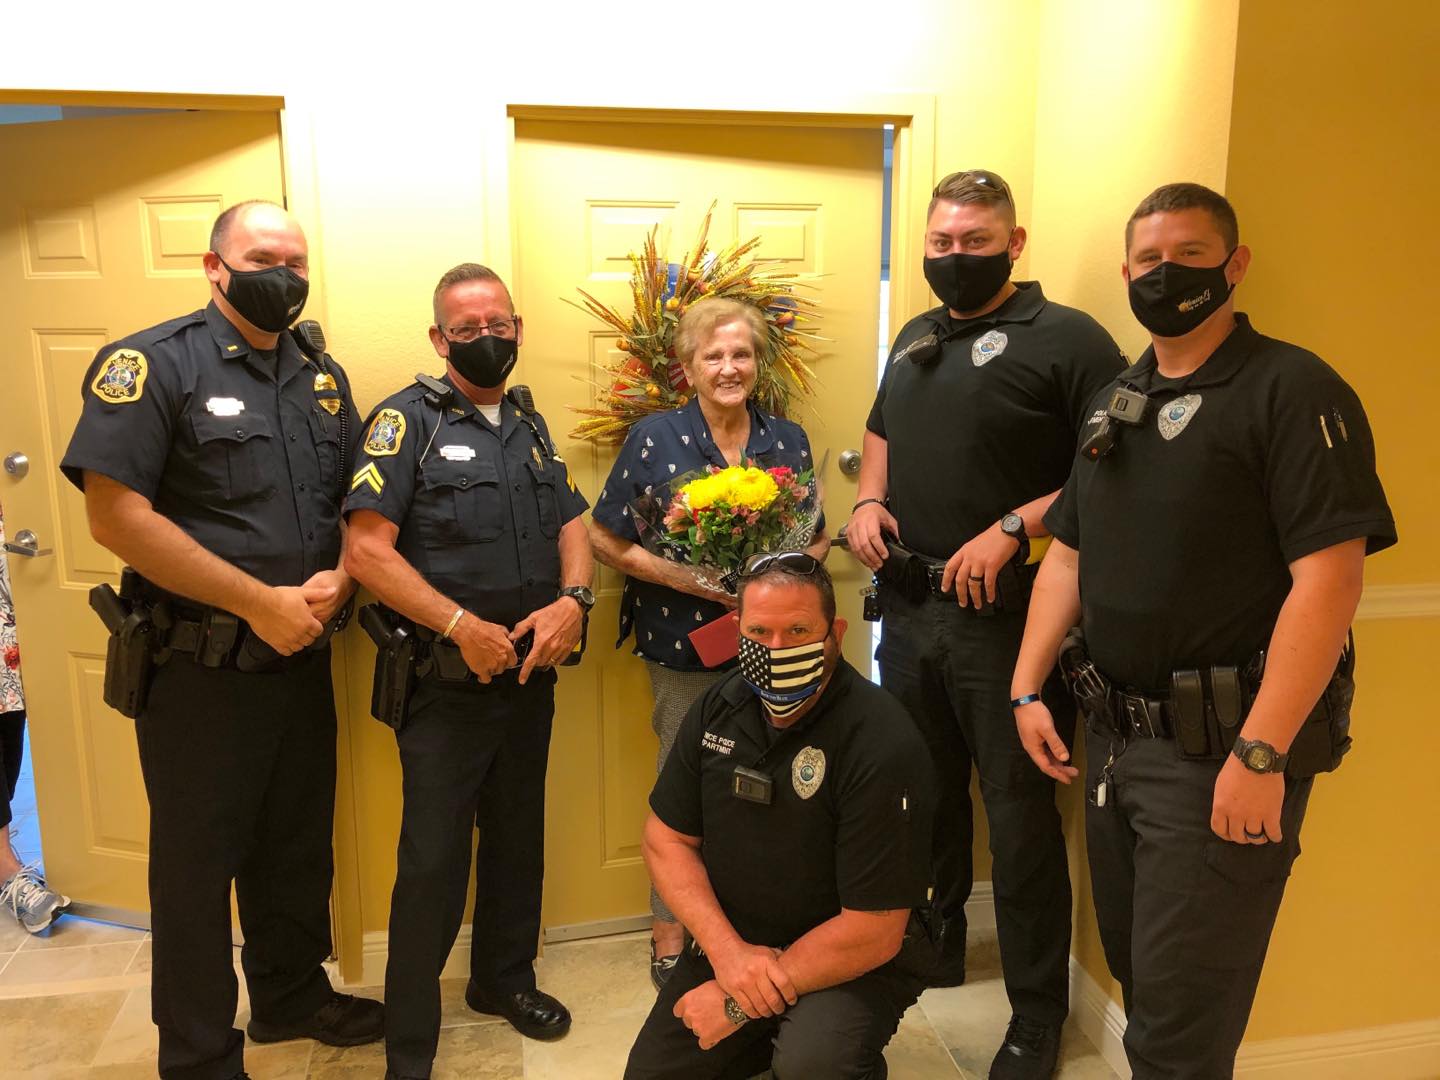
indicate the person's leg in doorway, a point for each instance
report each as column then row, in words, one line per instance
column 22, row 888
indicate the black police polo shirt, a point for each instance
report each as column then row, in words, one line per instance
column 991, row 423
column 1187, row 528
column 659, row 449
column 231, row 445
column 479, row 509
column 849, row 820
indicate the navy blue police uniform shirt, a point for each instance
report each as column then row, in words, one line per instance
column 658, row 449
column 479, row 508
column 849, row 821
column 991, row 423
column 1186, row 530
column 239, row 448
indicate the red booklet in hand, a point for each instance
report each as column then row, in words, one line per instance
column 717, row 642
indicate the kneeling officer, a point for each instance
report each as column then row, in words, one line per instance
column 466, row 525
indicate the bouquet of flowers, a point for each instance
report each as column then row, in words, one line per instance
column 648, row 378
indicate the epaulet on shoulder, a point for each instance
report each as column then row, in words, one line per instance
column 160, row 332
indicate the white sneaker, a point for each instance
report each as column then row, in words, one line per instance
column 34, row 905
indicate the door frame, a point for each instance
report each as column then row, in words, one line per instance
column 298, row 178
column 912, row 170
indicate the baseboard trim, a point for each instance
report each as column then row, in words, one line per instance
column 1395, row 1051
column 1399, row 602
column 980, row 908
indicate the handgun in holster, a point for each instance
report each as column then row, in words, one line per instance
column 1324, row 738
column 394, row 665
column 130, row 652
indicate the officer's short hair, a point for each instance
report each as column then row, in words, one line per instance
column 820, row 581
column 703, row 317
column 1173, row 198
column 220, row 231
column 974, row 186
column 465, row 272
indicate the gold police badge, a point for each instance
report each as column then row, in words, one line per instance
column 121, row 378
column 807, row 771
column 327, row 394
column 387, row 432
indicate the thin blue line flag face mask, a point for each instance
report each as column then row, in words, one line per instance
column 783, row 678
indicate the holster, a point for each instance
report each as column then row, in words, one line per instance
column 130, row 651
column 1324, row 738
column 394, row 665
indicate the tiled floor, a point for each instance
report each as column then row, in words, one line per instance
column 75, row 1005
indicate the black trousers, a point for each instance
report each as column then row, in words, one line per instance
column 12, row 756
column 951, row 668
column 1185, row 917
column 835, row 1034
column 240, row 773
column 472, row 755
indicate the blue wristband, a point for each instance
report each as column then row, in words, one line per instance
column 1015, row 703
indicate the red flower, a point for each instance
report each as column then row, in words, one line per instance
column 12, row 657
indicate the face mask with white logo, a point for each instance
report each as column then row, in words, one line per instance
column 269, row 299
column 782, row 678
column 1171, row 300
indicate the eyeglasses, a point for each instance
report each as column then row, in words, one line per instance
column 800, row 563
column 504, row 328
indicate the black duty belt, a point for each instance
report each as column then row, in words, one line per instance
column 917, row 577
column 1141, row 715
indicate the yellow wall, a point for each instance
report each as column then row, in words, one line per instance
column 1333, row 160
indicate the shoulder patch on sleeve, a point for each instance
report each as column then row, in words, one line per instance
column 387, row 432
column 121, row 378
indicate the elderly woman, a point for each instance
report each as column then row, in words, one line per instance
column 717, row 342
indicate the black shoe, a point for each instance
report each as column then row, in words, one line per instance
column 661, row 967
column 1029, row 1051
column 344, row 1020
column 533, row 1013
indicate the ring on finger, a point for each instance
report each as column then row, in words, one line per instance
column 1256, row 835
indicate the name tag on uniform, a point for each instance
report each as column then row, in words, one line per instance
column 457, row 453
column 225, row 406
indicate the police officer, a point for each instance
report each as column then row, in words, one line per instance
column 790, row 833
column 1212, row 535
column 211, row 451
column 466, row 524
column 971, row 436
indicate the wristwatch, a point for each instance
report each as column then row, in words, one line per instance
column 1258, row 756
column 1013, row 526
column 581, row 595
column 734, row 1013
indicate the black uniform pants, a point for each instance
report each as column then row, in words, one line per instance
column 12, row 757
column 472, row 755
column 835, row 1034
column 951, row 669
column 1185, row 917
column 240, row 774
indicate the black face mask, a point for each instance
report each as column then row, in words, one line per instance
column 966, row 282
column 484, row 362
column 1171, row 300
column 269, row 299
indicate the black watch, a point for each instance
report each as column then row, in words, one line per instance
column 1258, row 756
column 582, row 596
column 1013, row 526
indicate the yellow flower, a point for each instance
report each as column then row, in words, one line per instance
column 753, row 488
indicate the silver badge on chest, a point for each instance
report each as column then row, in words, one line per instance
column 988, row 346
column 1174, row 417
column 807, row 771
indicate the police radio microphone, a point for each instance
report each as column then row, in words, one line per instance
column 309, row 337
column 1127, row 406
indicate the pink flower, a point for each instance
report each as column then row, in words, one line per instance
column 737, row 531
